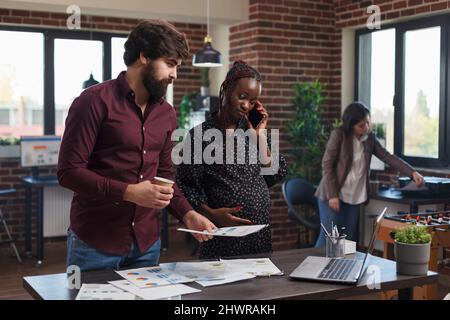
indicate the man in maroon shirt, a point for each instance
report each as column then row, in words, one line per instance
column 117, row 139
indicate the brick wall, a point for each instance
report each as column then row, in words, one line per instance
column 289, row 41
column 188, row 81
column 300, row 40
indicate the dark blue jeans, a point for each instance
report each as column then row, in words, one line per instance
column 348, row 217
column 88, row 258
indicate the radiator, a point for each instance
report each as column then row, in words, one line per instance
column 56, row 211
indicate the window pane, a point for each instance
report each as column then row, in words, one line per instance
column 75, row 60
column 421, row 96
column 376, row 81
column 117, row 50
column 21, row 83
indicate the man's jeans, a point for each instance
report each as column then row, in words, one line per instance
column 88, row 258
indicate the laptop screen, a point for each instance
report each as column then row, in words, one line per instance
column 372, row 239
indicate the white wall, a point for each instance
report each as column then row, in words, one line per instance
column 220, row 35
column 348, row 68
column 221, row 11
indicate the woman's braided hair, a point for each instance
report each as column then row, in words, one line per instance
column 239, row 70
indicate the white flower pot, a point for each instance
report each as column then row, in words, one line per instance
column 412, row 259
column 9, row 151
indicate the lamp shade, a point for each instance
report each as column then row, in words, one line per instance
column 90, row 82
column 207, row 57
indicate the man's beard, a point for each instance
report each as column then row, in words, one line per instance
column 156, row 88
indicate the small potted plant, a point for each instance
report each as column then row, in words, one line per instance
column 412, row 250
column 9, row 147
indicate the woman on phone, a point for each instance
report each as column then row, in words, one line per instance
column 236, row 193
column 346, row 169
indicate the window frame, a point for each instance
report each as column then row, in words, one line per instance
column 401, row 28
column 50, row 35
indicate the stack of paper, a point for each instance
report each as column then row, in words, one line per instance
column 237, row 231
column 212, row 273
column 154, row 293
column 93, row 291
column 153, row 283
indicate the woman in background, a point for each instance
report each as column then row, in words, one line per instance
column 346, row 170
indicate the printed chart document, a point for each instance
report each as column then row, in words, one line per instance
column 208, row 273
column 198, row 271
column 93, row 291
column 238, row 231
column 260, row 267
column 230, row 277
column 155, row 293
column 152, row 277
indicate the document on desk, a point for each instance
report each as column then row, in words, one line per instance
column 152, row 277
column 237, row 231
column 229, row 278
column 154, row 293
column 199, row 271
column 93, row 291
column 260, row 267
column 208, row 273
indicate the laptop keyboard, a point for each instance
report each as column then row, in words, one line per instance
column 337, row 269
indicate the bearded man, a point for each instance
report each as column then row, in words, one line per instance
column 117, row 139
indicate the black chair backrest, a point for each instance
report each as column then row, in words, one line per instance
column 298, row 191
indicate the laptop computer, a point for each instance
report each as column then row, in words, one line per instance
column 341, row 270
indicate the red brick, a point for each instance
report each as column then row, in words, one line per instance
column 400, row 5
column 414, row 2
column 12, row 20
column 5, row 12
column 439, row 6
column 20, row 13
column 39, row 14
column 58, row 15
column 34, row 21
column 422, row 9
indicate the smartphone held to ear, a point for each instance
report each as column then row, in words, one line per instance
column 255, row 117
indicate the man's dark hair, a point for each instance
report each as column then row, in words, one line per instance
column 354, row 113
column 155, row 39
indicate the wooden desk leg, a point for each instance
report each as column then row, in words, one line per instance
column 405, row 294
column 28, row 249
column 388, row 295
column 432, row 290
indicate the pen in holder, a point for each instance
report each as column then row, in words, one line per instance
column 335, row 246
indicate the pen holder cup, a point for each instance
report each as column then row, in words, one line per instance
column 335, row 246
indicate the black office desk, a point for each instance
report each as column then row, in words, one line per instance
column 413, row 201
column 38, row 183
column 54, row 286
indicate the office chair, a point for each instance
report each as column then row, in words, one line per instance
column 296, row 192
column 3, row 202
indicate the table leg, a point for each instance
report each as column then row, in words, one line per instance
column 405, row 294
column 28, row 200
column 40, row 226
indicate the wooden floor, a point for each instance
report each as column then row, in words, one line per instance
column 11, row 272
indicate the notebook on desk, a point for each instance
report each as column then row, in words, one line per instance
column 341, row 270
